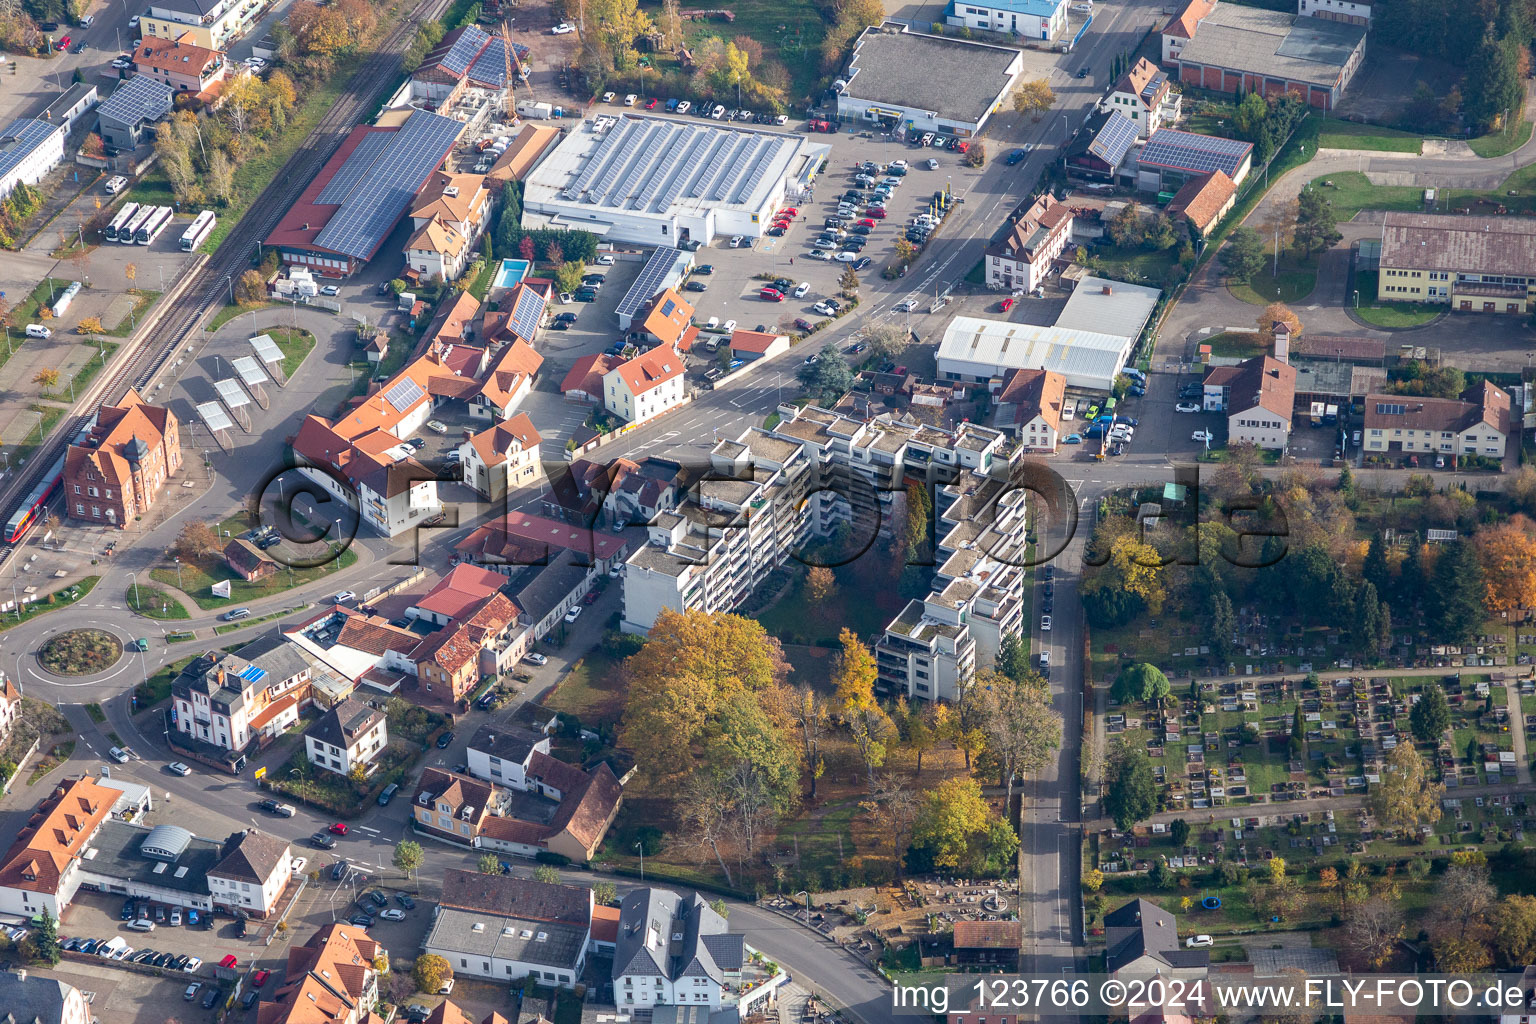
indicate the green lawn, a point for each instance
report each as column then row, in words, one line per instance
column 158, row 687
column 1502, row 143
column 244, row 623
column 1294, row 282
column 198, row 579
column 142, row 300
column 64, row 598
column 26, row 312
column 1135, row 266
column 1235, row 345
column 85, row 374
column 295, row 346
column 863, row 601
column 229, row 312
column 789, row 31
column 482, row 280
column 593, row 690
column 154, row 603
column 31, row 439
column 1390, row 314
column 1349, row 135
column 1351, row 192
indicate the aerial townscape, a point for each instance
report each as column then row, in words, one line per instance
column 551, row 511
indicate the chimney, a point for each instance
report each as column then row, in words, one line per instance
column 21, row 974
column 1108, row 290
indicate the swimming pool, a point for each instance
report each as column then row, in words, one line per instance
column 510, row 273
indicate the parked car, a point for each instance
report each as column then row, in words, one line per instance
column 535, row 658
column 361, row 920
column 564, row 28
column 1202, row 435
column 405, row 901
column 1199, row 941
column 192, row 966
column 323, row 841
column 392, row 914
column 330, row 289
column 445, row 740
column 574, row 614
column 192, row 990
column 1186, row 407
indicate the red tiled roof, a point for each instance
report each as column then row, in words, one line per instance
column 588, row 373
column 1202, row 199
column 650, row 369
column 668, row 317
column 755, row 341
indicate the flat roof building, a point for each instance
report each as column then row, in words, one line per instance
column 1236, row 48
column 29, row 149
column 660, row 181
column 1473, row 264
column 895, row 77
column 1024, row 19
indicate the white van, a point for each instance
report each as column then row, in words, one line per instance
column 38, row 331
column 116, row 185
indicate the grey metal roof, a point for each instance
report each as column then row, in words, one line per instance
column 470, row 933
column 1123, row 311
column 648, row 921
column 275, row 654
column 136, row 101
column 509, row 743
column 916, row 71
column 118, row 855
column 20, row 139
column 33, row 998
column 1273, row 43
column 166, row 842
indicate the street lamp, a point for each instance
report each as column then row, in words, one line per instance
column 640, row 846
column 179, row 585
column 807, row 896
column 229, row 279
column 134, row 582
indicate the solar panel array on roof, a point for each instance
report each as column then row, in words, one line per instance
column 374, row 206
column 1114, row 139
column 252, row 674
column 648, row 282
column 19, row 139
column 249, row 370
column 527, row 312
column 234, row 396
column 367, row 153
column 267, row 349
column 462, row 53
column 141, row 98
column 490, row 68
column 647, row 164
column 1188, row 151
column 404, row 394
column 214, row 415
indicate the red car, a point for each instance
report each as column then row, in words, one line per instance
column 874, row 211
column 803, row 323
column 789, row 211
column 260, row 978
column 229, row 962
column 771, row 295
column 866, row 223
column 1006, row 305
column 652, row 104
column 340, row 828
column 591, row 597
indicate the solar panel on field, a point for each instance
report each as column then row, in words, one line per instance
column 232, row 393
column 215, row 417
column 355, row 169
column 249, row 370
column 266, row 349
column 404, row 394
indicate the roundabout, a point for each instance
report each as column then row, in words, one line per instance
column 80, row 652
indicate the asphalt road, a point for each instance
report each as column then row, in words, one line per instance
column 1048, row 852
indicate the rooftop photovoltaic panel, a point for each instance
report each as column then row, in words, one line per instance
column 355, row 169
column 491, row 66
column 373, row 208
column 234, row 396
column 648, row 282
column 462, row 53
column 249, row 370
column 266, row 349
column 405, row 392
column 213, row 414
column 1114, row 139
column 527, row 313
column 252, row 674
column 19, row 139
column 1187, row 151
column 141, row 98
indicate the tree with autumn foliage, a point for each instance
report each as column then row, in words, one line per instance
column 1278, row 312
column 1406, row 797
column 48, row 378
column 691, row 672
column 1507, row 552
column 1023, row 730
column 820, row 583
column 1033, row 97
column 867, row 722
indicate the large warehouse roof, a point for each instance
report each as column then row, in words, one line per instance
column 1108, row 307
column 1273, row 43
column 651, row 166
column 1467, row 245
column 362, row 191
column 1086, row 358
column 916, row 71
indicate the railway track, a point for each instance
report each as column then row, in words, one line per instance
column 185, row 314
